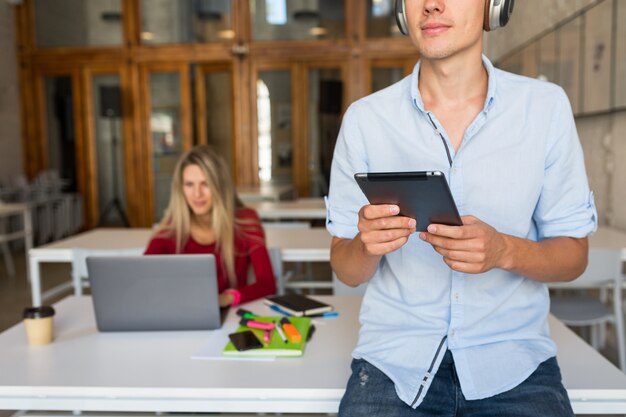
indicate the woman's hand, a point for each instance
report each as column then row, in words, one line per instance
column 225, row 299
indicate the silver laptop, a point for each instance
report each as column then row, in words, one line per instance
column 154, row 293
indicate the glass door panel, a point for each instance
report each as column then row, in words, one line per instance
column 324, row 113
column 274, row 131
column 165, row 133
column 297, row 19
column 381, row 20
column 76, row 23
column 186, row 21
column 217, row 105
column 60, row 129
column 109, row 140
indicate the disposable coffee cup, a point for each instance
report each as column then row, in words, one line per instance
column 39, row 325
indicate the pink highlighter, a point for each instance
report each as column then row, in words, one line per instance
column 256, row 324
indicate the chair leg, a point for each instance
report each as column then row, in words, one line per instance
column 8, row 259
column 594, row 336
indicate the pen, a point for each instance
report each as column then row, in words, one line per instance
column 327, row 314
column 256, row 324
column 290, row 329
column 279, row 310
column 266, row 336
column 280, row 332
column 311, row 331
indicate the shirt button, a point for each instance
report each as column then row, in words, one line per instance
column 452, row 333
column 456, row 296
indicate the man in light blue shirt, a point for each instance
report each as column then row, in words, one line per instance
column 454, row 320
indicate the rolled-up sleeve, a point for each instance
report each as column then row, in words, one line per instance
column 345, row 198
column 566, row 206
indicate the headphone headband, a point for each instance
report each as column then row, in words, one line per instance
column 497, row 14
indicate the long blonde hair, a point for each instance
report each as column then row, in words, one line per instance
column 178, row 216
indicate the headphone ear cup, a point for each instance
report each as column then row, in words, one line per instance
column 497, row 13
column 401, row 17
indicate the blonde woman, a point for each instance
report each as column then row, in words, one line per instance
column 205, row 216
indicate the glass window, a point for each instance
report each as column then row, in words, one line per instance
column 109, row 150
column 67, row 23
column 219, row 113
column 381, row 19
column 297, row 19
column 186, row 21
column 165, row 127
column 274, row 127
column 60, row 131
column 325, row 106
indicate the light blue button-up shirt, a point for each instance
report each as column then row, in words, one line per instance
column 520, row 169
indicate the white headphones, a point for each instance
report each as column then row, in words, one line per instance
column 497, row 14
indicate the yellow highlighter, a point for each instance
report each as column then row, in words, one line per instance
column 292, row 333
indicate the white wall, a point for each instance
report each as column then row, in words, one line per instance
column 10, row 128
column 603, row 137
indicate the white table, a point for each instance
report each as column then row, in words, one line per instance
column 13, row 209
column 83, row 370
column 302, row 208
column 266, row 192
column 306, row 245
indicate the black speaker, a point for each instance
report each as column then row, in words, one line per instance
column 110, row 101
column 331, row 92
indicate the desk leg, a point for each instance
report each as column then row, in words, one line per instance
column 28, row 239
column 35, row 281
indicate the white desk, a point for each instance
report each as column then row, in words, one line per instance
column 266, row 192
column 83, row 370
column 302, row 208
column 13, row 209
column 306, row 245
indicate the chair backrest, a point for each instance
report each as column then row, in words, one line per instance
column 79, row 258
column 604, row 267
column 277, row 267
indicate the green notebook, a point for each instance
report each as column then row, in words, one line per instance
column 276, row 347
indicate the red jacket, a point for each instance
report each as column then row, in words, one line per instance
column 249, row 249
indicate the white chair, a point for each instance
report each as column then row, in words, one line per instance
column 603, row 272
column 277, row 267
column 5, row 238
column 79, row 263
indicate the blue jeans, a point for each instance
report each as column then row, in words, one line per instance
column 371, row 393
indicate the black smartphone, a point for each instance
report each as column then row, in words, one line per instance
column 245, row 340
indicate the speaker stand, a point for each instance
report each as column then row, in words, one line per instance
column 114, row 205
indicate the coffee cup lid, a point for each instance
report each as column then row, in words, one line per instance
column 38, row 312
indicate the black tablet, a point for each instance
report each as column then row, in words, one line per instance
column 422, row 195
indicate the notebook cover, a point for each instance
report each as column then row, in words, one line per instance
column 276, row 347
column 299, row 305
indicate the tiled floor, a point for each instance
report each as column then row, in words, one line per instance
column 15, row 295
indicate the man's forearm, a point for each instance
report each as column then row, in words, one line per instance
column 551, row 260
column 350, row 262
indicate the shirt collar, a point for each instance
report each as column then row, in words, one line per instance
column 491, row 86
